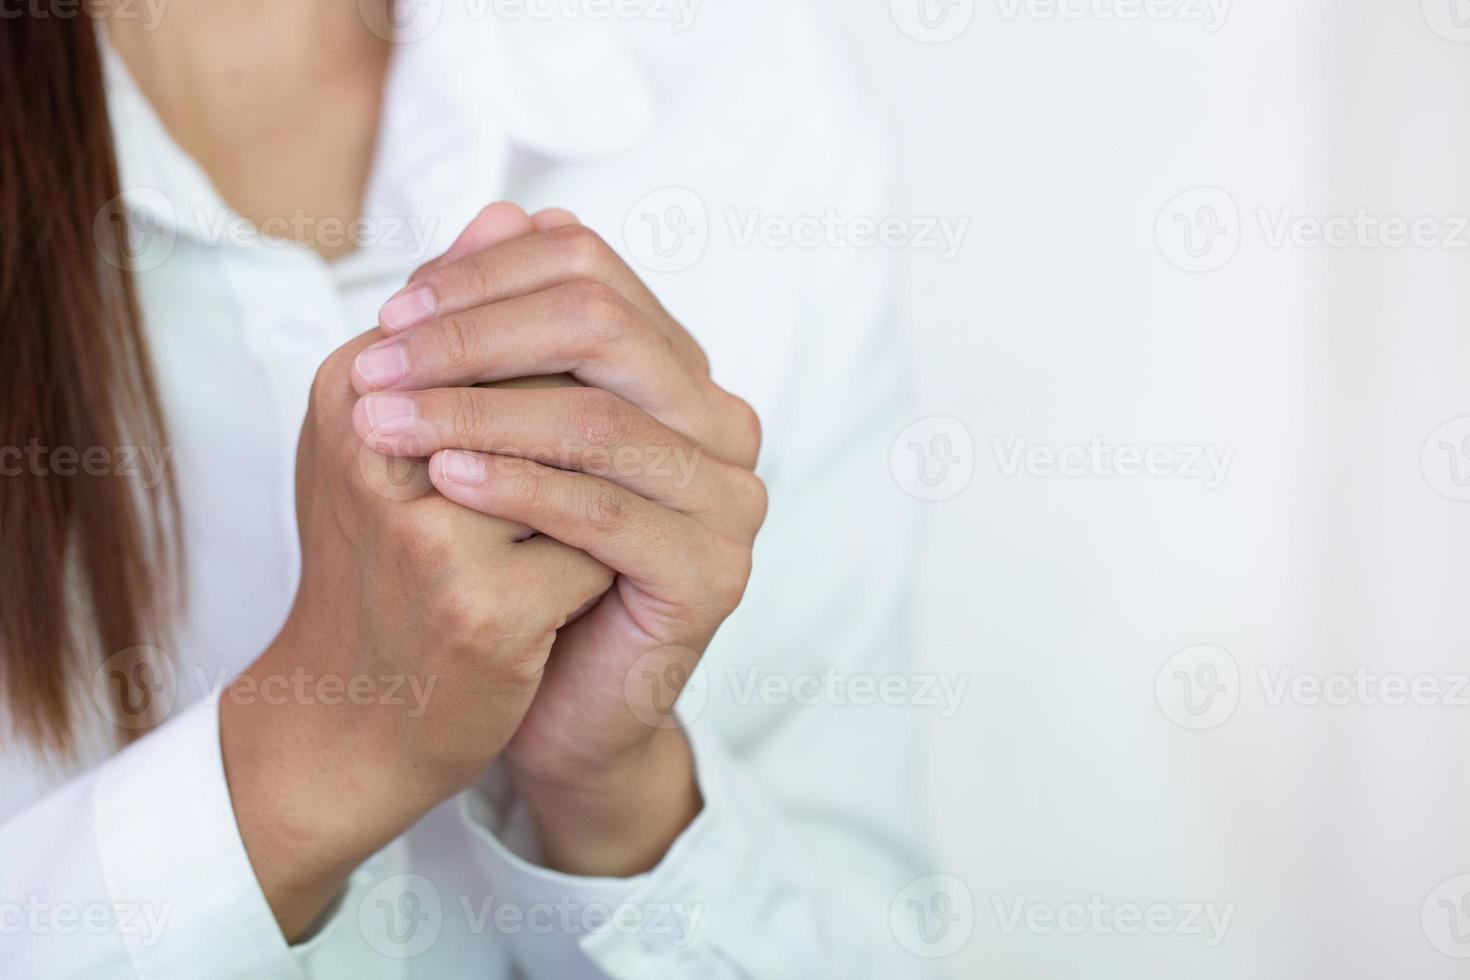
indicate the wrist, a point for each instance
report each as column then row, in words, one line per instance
column 620, row 820
column 312, row 798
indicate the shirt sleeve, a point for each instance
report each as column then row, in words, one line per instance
column 805, row 740
column 135, row 870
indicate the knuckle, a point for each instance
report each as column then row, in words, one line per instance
column 725, row 583
column 756, row 498
column 465, row 416
column 582, row 249
column 453, row 337
column 522, row 488
column 748, row 425
column 607, row 509
column 598, row 419
column 599, row 311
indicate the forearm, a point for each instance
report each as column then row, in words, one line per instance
column 312, row 799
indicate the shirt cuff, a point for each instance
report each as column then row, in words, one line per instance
column 168, row 840
column 684, row 918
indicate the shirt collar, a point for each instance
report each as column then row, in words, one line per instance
column 461, row 96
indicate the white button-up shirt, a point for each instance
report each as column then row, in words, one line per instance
column 681, row 147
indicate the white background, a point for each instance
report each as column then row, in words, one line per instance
column 1331, row 545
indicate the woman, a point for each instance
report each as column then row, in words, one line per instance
column 448, row 748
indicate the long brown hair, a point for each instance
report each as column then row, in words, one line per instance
column 87, row 562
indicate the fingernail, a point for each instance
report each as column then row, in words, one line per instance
column 467, row 469
column 408, row 307
column 390, row 415
column 383, row 366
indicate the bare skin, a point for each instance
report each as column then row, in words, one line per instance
column 277, row 100
column 529, row 577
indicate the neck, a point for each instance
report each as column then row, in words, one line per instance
column 191, row 50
